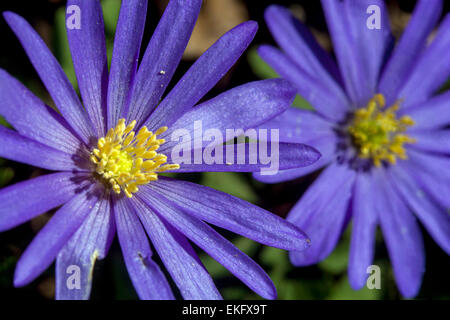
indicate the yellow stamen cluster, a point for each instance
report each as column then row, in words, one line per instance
column 126, row 159
column 378, row 134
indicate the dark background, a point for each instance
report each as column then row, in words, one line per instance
column 324, row 281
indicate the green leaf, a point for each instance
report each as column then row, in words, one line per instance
column 230, row 182
column 336, row 262
column 301, row 103
column 111, row 9
column 274, row 257
column 343, row 291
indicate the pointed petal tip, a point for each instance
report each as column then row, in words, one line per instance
column 262, row 49
column 271, row 294
column 355, row 282
column 248, row 28
column 12, row 17
column 21, row 278
column 8, row 14
column 273, row 10
column 283, row 89
column 314, row 155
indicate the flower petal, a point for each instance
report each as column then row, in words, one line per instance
column 18, row 148
column 432, row 216
column 178, row 256
column 321, row 213
column 127, row 43
column 418, row 88
column 350, row 60
column 364, row 225
column 214, row 244
column 147, row 277
column 411, row 45
column 52, row 75
column 243, row 107
column 203, row 75
column 327, row 146
column 230, row 213
column 402, row 236
column 51, row 239
column 314, row 90
column 431, row 141
column 425, row 114
column 300, row 45
column 89, row 243
column 432, row 180
column 88, row 49
column 371, row 45
column 32, row 118
column 296, row 125
column 247, row 157
column 162, row 57
column 28, row 199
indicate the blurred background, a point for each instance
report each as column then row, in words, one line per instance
column 327, row 280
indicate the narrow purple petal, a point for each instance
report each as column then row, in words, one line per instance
column 433, row 163
column 230, row 213
column 162, row 57
column 21, row 149
column 435, row 218
column 88, row 49
column 296, row 125
column 437, row 141
column 91, row 242
column 345, row 44
column 314, row 90
column 434, row 183
column 51, row 239
column 402, row 236
column 147, row 277
column 243, row 107
column 364, row 225
column 178, row 256
column 321, row 213
column 300, row 45
column 409, row 48
column 215, row 245
column 419, row 88
column 52, row 75
column 267, row 157
column 432, row 114
column 25, row 200
column 325, row 144
column 203, row 75
column 371, row 44
column 127, row 43
column 32, row 118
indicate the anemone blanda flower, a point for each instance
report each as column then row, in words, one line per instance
column 381, row 129
column 109, row 150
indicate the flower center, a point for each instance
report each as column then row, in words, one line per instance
column 126, row 159
column 378, row 134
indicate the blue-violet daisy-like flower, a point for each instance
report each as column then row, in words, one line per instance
column 109, row 151
column 382, row 130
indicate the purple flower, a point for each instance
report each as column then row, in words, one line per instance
column 381, row 130
column 108, row 161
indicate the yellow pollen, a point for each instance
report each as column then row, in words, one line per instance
column 126, row 159
column 378, row 134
